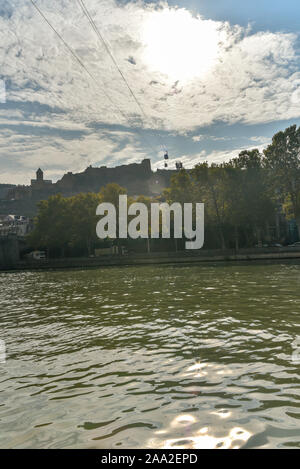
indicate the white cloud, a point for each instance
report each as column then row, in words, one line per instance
column 189, row 161
column 250, row 78
column 262, row 140
column 199, row 138
column 28, row 152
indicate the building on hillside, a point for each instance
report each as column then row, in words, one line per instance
column 40, row 182
column 15, row 224
column 39, row 189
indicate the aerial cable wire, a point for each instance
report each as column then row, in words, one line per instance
column 75, row 56
column 101, row 38
column 81, row 63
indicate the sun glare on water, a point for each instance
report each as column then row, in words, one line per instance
column 179, row 45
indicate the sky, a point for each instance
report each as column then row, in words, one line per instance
column 207, row 80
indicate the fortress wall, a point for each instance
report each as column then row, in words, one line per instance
column 137, row 178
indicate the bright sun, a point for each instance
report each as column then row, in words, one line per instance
column 180, row 45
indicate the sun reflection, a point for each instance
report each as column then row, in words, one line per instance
column 200, row 370
column 222, row 413
column 183, row 420
column 180, row 45
column 202, row 429
column 201, row 438
column 196, row 370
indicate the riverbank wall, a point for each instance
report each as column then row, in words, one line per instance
column 183, row 257
column 9, row 251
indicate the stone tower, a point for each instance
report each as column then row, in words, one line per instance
column 39, row 175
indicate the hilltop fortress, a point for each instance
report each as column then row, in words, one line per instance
column 137, row 178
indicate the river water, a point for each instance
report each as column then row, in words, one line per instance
column 151, row 357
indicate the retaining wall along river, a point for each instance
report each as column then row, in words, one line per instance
column 189, row 257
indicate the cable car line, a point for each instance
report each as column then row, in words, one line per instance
column 75, row 55
column 81, row 63
column 86, row 12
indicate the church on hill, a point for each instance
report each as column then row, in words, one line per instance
column 40, row 182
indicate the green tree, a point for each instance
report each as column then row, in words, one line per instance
column 211, row 189
column 110, row 193
column 182, row 188
column 251, row 201
column 282, row 159
column 52, row 224
column 84, row 220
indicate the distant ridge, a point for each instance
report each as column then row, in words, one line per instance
column 137, row 178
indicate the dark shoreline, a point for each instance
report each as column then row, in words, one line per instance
column 266, row 255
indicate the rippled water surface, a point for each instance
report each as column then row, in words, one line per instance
column 184, row 357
